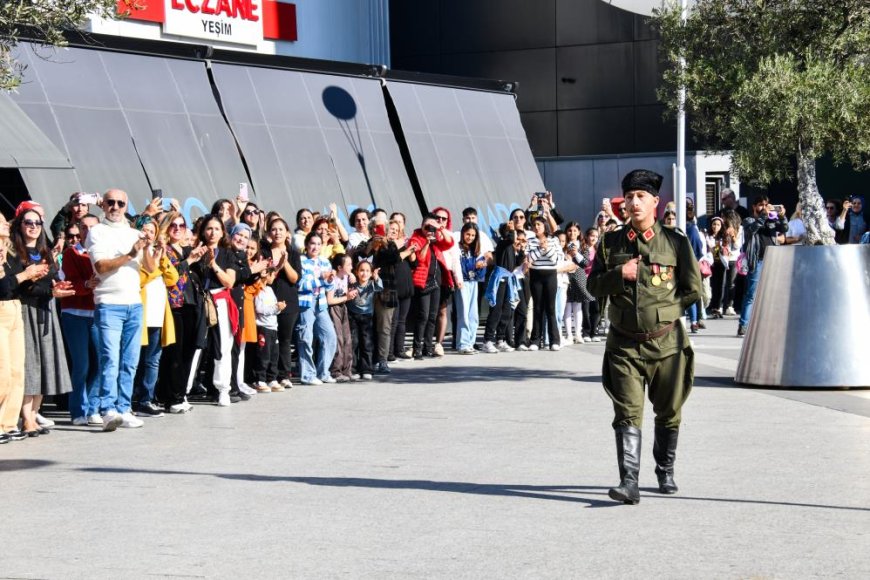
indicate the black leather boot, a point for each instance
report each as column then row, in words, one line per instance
column 628, row 456
column 665, row 454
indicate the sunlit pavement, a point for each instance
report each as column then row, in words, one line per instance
column 486, row 466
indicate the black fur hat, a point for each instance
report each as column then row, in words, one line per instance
column 642, row 179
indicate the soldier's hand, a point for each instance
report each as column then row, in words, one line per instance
column 629, row 270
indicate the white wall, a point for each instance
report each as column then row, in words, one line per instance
column 343, row 30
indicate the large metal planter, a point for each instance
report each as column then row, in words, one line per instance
column 810, row 324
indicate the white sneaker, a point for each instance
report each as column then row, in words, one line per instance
column 43, row 422
column 224, row 399
column 596, row 339
column 533, row 347
column 81, row 421
column 469, row 350
column 247, row 389
column 356, row 377
column 730, row 311
column 112, row 420
column 587, row 339
column 129, row 421
column 367, row 376
column 328, row 380
column 95, row 419
column 287, row 383
column 262, row 387
column 438, row 350
column 503, row 346
column 489, row 348
column 522, row 348
column 181, row 408
column 314, row 381
column 555, row 347
column 276, row 387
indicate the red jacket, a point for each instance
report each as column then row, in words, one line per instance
column 421, row 272
column 77, row 269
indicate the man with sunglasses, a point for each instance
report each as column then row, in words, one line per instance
column 115, row 250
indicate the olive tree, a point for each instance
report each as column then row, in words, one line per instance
column 45, row 21
column 778, row 82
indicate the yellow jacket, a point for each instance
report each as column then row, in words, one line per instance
column 170, row 278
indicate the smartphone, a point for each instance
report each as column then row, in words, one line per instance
column 89, row 198
column 243, row 191
column 541, row 194
column 380, row 230
column 156, row 193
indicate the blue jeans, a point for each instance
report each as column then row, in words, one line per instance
column 467, row 316
column 149, row 367
column 82, row 339
column 315, row 325
column 752, row 279
column 120, row 332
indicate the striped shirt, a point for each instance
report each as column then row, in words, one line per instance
column 545, row 257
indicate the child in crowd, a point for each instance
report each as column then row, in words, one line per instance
column 360, row 314
column 573, row 315
column 337, row 298
column 267, row 308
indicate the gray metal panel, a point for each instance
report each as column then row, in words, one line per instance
column 591, row 22
column 603, row 75
column 468, row 148
column 535, row 70
column 22, row 143
column 134, row 122
column 497, row 25
column 311, row 139
column 596, row 131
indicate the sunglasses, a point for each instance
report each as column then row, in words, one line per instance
column 442, row 218
column 32, row 223
column 73, row 236
column 251, row 212
column 113, row 202
column 176, row 226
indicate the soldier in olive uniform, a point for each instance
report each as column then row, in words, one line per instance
column 649, row 275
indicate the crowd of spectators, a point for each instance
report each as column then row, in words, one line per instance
column 122, row 317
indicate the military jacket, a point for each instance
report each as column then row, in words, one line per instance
column 668, row 281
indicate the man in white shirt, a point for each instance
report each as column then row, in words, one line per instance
column 115, row 250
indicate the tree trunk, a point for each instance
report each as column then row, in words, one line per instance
column 812, row 206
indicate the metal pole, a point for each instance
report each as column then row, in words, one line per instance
column 680, row 184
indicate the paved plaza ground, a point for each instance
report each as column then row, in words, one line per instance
column 491, row 466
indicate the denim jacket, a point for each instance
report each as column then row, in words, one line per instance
column 313, row 288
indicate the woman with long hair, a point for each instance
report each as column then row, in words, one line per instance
column 177, row 364
column 216, row 271
column 158, row 328
column 288, row 262
column 304, row 224
column 544, row 255
column 44, row 355
column 12, row 334
column 315, row 326
column 473, row 265
column 404, row 287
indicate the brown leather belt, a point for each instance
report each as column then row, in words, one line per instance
column 644, row 336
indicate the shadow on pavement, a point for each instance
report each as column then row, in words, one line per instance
column 547, row 492
column 22, row 464
column 449, row 374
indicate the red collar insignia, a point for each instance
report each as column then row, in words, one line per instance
column 646, row 236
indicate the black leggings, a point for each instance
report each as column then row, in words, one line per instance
column 543, row 284
column 400, row 317
column 499, row 315
column 177, row 357
column 426, row 309
column 286, row 325
column 591, row 317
